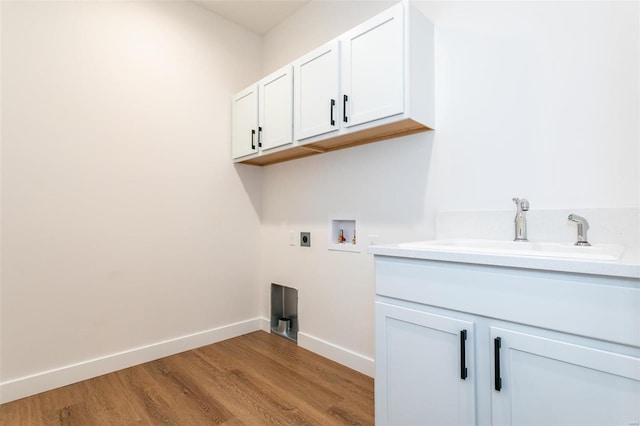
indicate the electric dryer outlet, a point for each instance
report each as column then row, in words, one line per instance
column 305, row 239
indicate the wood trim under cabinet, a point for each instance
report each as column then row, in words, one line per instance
column 375, row 134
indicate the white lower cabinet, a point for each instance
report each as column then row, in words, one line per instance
column 551, row 382
column 541, row 348
column 421, row 379
column 423, row 366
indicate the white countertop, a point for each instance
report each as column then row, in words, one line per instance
column 628, row 266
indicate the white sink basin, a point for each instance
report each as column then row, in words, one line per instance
column 518, row 248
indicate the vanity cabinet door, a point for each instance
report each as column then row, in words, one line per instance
column 244, row 138
column 551, row 382
column 316, row 92
column 373, row 69
column 276, row 109
column 425, row 370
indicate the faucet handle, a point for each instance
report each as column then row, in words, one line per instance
column 522, row 203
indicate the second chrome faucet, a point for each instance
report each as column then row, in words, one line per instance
column 521, row 219
column 583, row 226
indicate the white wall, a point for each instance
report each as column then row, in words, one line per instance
column 124, row 221
column 543, row 98
column 533, row 99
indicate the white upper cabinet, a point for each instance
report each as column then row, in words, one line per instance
column 276, row 109
column 316, row 93
column 373, row 68
column 245, row 123
column 372, row 83
column 263, row 115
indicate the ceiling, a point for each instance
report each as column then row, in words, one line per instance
column 258, row 16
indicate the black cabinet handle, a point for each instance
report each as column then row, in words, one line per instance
column 497, row 343
column 253, row 144
column 333, row 103
column 463, row 354
column 260, row 137
column 345, row 98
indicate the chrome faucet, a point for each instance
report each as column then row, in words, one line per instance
column 521, row 219
column 583, row 227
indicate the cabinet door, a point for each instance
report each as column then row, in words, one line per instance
column 419, row 362
column 276, row 109
column 550, row 382
column 316, row 92
column 245, row 122
column 373, row 68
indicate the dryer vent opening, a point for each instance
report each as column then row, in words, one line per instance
column 284, row 312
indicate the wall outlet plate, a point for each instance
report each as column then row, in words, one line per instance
column 305, row 239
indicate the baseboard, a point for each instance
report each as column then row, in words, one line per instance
column 355, row 361
column 265, row 324
column 47, row 380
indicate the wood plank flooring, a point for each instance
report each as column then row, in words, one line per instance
column 255, row 379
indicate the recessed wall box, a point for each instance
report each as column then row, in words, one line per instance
column 284, row 311
column 343, row 233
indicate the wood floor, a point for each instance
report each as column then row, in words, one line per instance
column 255, row 379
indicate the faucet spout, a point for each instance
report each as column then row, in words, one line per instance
column 521, row 219
column 583, row 227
